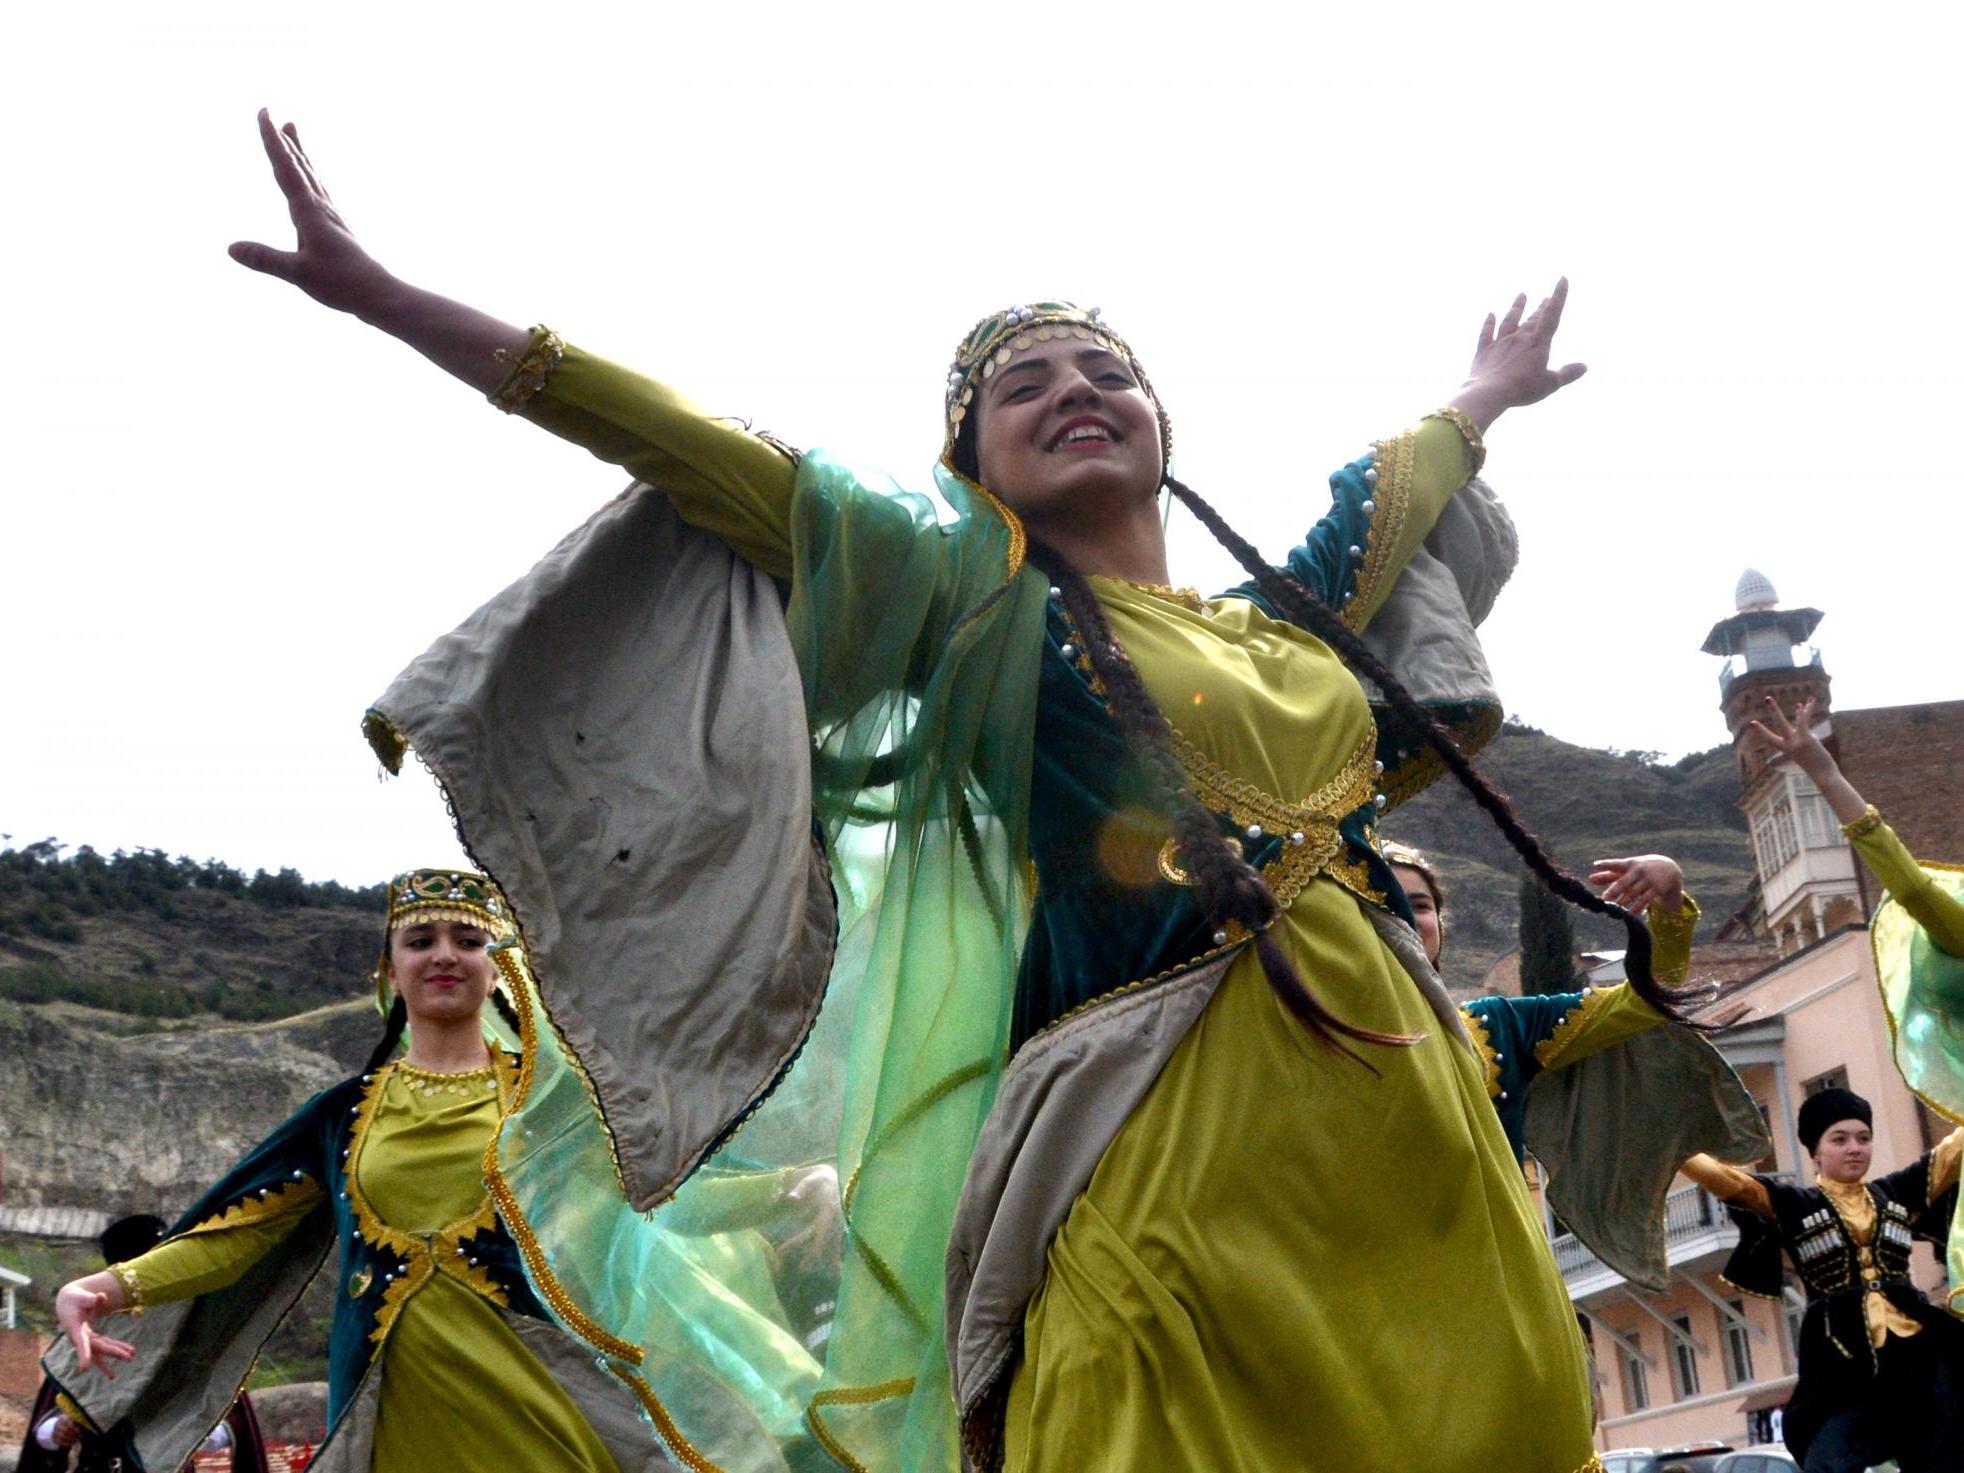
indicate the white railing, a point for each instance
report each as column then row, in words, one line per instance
column 1689, row 1212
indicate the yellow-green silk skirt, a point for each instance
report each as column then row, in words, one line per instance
column 1286, row 1260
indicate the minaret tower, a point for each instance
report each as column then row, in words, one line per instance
column 1807, row 883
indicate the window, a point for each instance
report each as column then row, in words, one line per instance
column 1738, row 1348
column 1684, row 1360
column 1774, row 839
column 1833, row 1079
column 1796, row 1312
column 1636, row 1390
column 1818, row 830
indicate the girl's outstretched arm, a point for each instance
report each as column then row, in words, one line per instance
column 330, row 265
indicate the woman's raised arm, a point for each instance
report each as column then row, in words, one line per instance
column 329, row 265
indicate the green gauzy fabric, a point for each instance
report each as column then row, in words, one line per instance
column 636, row 666
column 1923, row 992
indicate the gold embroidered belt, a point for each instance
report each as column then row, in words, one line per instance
column 1312, row 843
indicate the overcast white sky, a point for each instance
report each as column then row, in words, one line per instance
column 230, row 517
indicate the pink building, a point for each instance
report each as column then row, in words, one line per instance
column 1703, row 1360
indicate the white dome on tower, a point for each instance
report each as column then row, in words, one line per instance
column 1755, row 591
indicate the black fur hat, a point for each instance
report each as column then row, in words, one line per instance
column 1830, row 1107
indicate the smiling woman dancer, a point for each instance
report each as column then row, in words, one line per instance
column 430, row 1361
column 1142, row 1055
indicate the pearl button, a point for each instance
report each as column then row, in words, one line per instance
column 1253, row 831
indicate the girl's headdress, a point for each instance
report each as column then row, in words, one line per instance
column 1000, row 336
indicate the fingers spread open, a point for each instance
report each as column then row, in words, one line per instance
column 1513, row 318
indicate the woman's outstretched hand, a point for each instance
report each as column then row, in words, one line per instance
column 1795, row 741
column 1641, row 882
column 329, row 265
column 78, row 1305
column 327, row 262
column 1511, row 360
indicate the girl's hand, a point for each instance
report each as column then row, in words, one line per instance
column 1640, row 882
column 328, row 263
column 1510, row 361
column 78, row 1305
column 1795, row 739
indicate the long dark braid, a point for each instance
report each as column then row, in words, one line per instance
column 1306, row 610
column 1229, row 889
column 391, row 1036
column 507, row 1012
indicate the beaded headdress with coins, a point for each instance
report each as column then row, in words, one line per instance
column 420, row 896
column 1000, row 336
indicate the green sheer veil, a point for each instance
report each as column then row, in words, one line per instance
column 740, row 1198
column 1923, row 995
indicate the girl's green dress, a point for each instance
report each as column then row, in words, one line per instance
column 1284, row 1259
column 458, row 1388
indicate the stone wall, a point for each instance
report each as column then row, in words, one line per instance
column 100, row 1124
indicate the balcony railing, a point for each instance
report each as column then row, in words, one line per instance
column 1689, row 1212
column 1739, row 665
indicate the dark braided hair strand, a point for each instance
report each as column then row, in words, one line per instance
column 1304, row 609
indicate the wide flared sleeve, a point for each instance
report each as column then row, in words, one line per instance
column 717, row 474
column 210, row 1307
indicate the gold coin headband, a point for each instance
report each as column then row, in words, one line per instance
column 997, row 338
column 421, row 896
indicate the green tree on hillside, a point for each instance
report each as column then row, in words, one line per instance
column 1547, row 941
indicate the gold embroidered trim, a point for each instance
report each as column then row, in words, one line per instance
column 466, row 1082
column 1186, row 598
column 1019, row 540
column 1419, row 768
column 1574, row 1023
column 1397, row 458
column 529, row 370
column 1670, row 937
column 1868, row 823
column 1476, row 1028
column 665, row 1428
column 1742, row 1289
column 1316, row 818
column 543, row 1279
column 269, row 1202
column 132, row 1287
column 1594, row 1465
column 1476, row 445
column 420, row 1257
column 1169, row 860
column 850, row 1396
column 1236, row 933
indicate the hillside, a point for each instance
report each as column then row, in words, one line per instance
column 152, row 937
column 1584, row 805
column 125, row 1104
